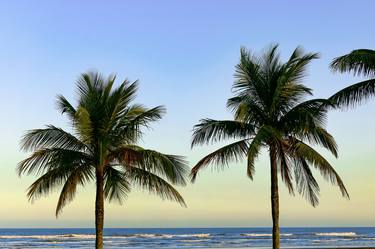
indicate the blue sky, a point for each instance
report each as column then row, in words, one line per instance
column 183, row 53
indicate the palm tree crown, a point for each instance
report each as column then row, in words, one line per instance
column 270, row 111
column 107, row 128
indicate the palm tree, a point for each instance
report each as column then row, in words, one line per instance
column 361, row 62
column 102, row 148
column 269, row 112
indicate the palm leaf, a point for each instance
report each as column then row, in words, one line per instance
column 319, row 162
column 221, row 157
column 44, row 160
column 50, row 137
column 360, row 62
column 209, row 130
column 78, row 176
column 154, row 184
column 173, row 167
column 353, row 95
column 116, row 185
column 306, row 184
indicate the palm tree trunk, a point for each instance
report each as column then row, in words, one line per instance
column 99, row 209
column 274, row 200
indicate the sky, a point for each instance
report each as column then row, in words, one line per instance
column 183, row 53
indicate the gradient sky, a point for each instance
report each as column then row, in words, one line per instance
column 183, row 53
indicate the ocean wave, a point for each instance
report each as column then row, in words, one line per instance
column 344, row 234
column 92, row 236
column 165, row 236
column 199, row 235
column 48, row 237
column 263, row 234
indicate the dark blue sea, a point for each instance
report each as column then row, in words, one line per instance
column 189, row 238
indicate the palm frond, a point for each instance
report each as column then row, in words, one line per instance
column 297, row 65
column 310, row 113
column 84, row 125
column 129, row 128
column 354, row 95
column 50, row 137
column 285, row 168
column 221, row 157
column 209, row 130
column 43, row 160
column 173, row 167
column 246, row 110
column 153, row 184
column 65, row 107
column 147, row 116
column 319, row 136
column 249, row 77
column 319, row 162
column 118, row 102
column 306, row 184
column 78, row 176
column 360, row 62
column 116, row 186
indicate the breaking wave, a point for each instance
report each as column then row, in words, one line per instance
column 263, row 234
column 92, row 236
column 346, row 234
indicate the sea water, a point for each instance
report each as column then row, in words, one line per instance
column 188, row 237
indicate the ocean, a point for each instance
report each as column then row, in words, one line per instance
column 317, row 237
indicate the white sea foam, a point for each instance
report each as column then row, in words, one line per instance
column 263, row 234
column 198, row 235
column 163, row 236
column 344, row 234
column 49, row 237
column 92, row 236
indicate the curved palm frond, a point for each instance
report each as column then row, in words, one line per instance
column 78, row 176
column 354, row 95
column 128, row 128
column 46, row 183
column 84, row 125
column 145, row 117
column 153, row 183
column 43, row 160
column 285, row 168
column 262, row 137
column 118, row 101
column 319, row 162
column 173, row 167
column 306, row 184
column 246, row 110
column 221, row 157
column 116, row 185
column 319, row 136
column 90, row 86
column 50, row 137
column 296, row 65
column 65, row 107
column 54, row 178
column 310, row 113
column 287, row 89
column 209, row 131
column 360, row 62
